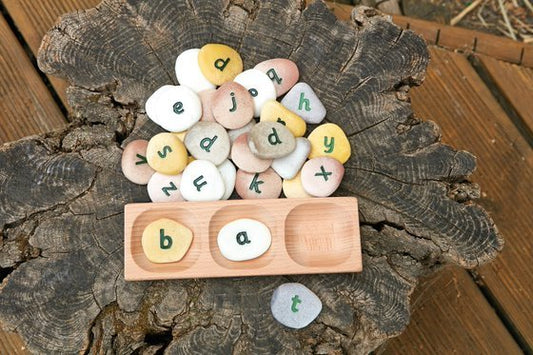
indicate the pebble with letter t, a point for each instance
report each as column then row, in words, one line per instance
column 294, row 305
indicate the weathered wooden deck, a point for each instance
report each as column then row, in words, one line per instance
column 481, row 97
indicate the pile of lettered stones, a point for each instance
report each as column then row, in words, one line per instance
column 211, row 119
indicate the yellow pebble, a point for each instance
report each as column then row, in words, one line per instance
column 219, row 63
column 166, row 154
column 275, row 112
column 293, row 188
column 166, row 241
column 329, row 140
column 180, row 135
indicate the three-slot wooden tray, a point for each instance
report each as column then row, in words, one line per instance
column 311, row 235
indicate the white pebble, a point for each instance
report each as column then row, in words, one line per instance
column 243, row 239
column 201, row 181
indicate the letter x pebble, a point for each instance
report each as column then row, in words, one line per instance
column 323, row 173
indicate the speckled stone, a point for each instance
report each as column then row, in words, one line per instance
column 270, row 140
column 258, row 185
column 303, row 101
column 208, row 141
column 294, row 305
column 234, row 133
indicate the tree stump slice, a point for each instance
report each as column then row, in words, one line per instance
column 63, row 193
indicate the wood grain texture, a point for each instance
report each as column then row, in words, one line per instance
column 26, row 106
column 456, row 37
column 309, row 236
column 505, row 171
column 450, row 316
column 515, row 83
column 34, row 18
column 412, row 218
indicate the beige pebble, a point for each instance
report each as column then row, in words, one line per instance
column 258, row 185
column 233, row 106
column 134, row 164
column 166, row 241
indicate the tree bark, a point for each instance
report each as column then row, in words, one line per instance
column 63, row 193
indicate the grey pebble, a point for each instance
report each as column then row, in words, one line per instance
column 271, row 140
column 208, row 141
column 303, row 101
column 294, row 305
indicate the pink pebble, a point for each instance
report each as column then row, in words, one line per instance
column 243, row 157
column 283, row 73
column 233, row 106
column 258, row 185
column 134, row 165
column 206, row 97
column 322, row 176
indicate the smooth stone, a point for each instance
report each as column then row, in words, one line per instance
column 258, row 185
column 273, row 111
column 234, row 133
column 283, row 72
column 166, row 241
column 243, row 239
column 166, row 154
column 292, row 188
column 294, row 305
column 134, row 164
column 206, row 97
column 219, row 63
column 233, row 106
column 322, row 176
column 175, row 108
column 242, row 156
column 188, row 71
column 259, row 86
column 201, row 181
column 229, row 174
column 329, row 140
column 288, row 166
column 302, row 100
column 208, row 141
column 271, row 140
column 164, row 188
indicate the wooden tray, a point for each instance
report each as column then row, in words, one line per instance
column 311, row 235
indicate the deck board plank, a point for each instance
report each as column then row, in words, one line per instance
column 470, row 118
column 440, row 306
column 34, row 18
column 515, row 83
column 26, row 105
